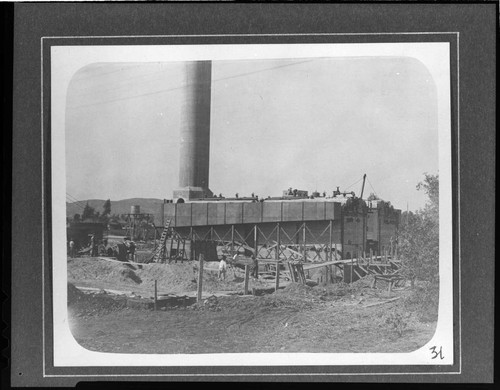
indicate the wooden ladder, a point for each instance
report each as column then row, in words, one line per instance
column 159, row 251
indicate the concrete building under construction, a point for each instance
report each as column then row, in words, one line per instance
column 295, row 225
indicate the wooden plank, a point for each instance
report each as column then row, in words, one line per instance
column 381, row 303
column 356, row 272
column 319, row 265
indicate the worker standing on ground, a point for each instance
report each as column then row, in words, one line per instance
column 130, row 248
column 255, row 267
column 71, row 248
column 93, row 246
column 222, row 268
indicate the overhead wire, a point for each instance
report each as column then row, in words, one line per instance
column 79, row 206
column 375, row 192
column 73, row 200
column 353, row 184
column 184, row 86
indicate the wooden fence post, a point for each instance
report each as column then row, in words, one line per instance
column 156, row 296
column 247, row 274
column 277, row 283
column 352, row 266
column 200, row 277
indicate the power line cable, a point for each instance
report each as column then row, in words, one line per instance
column 93, row 89
column 183, row 86
column 83, row 78
column 75, row 201
column 80, row 208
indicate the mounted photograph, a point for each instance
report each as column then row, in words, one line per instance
column 252, row 204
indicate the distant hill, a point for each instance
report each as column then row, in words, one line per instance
column 147, row 206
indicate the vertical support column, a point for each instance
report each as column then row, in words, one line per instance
column 277, row 282
column 278, row 242
column 342, row 252
column 255, row 243
column 200, row 278
column 232, row 240
column 304, row 241
column 212, row 242
column 247, row 275
column 331, row 239
column 171, row 247
column 177, row 249
column 192, row 255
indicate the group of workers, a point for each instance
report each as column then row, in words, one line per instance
column 254, row 270
column 124, row 251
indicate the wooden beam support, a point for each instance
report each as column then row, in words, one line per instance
column 200, row 278
column 247, row 275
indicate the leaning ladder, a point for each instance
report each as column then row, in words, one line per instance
column 159, row 251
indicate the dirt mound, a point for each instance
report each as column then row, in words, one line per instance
column 81, row 304
column 299, row 289
column 175, row 277
column 125, row 275
column 74, row 294
column 90, row 268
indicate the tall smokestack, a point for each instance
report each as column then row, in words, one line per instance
column 195, row 132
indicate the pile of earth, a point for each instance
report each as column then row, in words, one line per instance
column 171, row 278
column 82, row 304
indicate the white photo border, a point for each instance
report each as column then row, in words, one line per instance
column 127, row 360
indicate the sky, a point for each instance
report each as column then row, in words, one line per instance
column 308, row 123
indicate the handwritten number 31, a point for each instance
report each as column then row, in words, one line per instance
column 436, row 353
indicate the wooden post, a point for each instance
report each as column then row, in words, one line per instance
column 156, row 296
column 352, row 267
column 232, row 240
column 255, row 244
column 304, row 241
column 336, row 256
column 331, row 240
column 171, row 247
column 200, row 277
column 278, row 243
column 247, row 274
column 326, row 275
column 277, row 283
column 191, row 245
column 390, row 287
